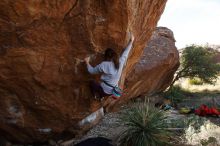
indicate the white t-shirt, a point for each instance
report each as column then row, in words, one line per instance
column 110, row 74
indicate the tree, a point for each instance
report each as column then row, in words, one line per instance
column 197, row 62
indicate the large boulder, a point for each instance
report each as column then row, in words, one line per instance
column 156, row 68
column 43, row 79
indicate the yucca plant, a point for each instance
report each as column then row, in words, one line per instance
column 145, row 126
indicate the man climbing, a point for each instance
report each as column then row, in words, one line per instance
column 110, row 68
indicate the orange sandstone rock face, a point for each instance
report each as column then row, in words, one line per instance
column 43, row 80
column 155, row 70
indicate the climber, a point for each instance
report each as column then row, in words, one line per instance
column 111, row 70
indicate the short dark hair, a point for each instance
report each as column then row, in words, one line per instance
column 111, row 55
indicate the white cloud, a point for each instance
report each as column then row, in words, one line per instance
column 193, row 21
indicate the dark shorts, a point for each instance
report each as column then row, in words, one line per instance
column 97, row 90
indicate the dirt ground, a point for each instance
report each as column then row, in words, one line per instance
column 205, row 94
column 109, row 127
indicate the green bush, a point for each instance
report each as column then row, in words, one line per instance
column 197, row 62
column 195, row 81
column 211, row 140
column 145, row 126
column 184, row 123
column 175, row 94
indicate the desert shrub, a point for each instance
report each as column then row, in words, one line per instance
column 195, row 81
column 197, row 62
column 184, row 123
column 145, row 126
column 211, row 140
column 175, row 94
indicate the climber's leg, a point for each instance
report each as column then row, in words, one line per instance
column 97, row 90
column 109, row 102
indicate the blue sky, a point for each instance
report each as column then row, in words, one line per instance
column 193, row 21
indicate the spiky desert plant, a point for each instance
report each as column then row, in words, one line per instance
column 145, row 125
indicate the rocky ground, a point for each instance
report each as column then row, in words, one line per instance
column 110, row 128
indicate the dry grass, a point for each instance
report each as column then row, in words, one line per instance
column 184, row 83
